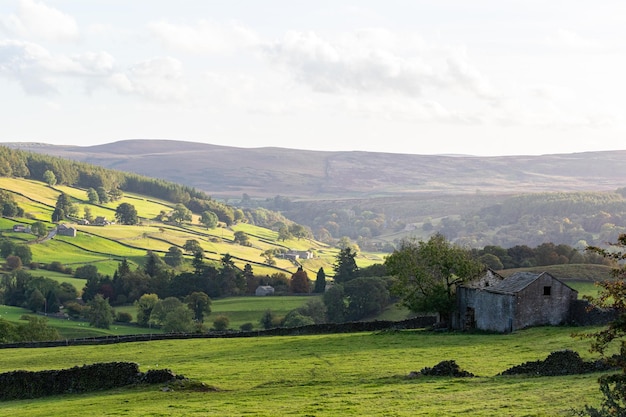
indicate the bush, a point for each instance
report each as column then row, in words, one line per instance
column 221, row 323
column 123, row 317
column 246, row 327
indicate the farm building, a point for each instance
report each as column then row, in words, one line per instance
column 262, row 290
column 524, row 299
column 65, row 230
column 21, row 228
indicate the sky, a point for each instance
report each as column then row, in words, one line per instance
column 480, row 77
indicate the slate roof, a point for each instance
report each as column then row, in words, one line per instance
column 515, row 283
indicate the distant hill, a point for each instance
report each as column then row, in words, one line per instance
column 227, row 172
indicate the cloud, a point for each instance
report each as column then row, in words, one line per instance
column 41, row 73
column 202, row 37
column 157, row 79
column 570, row 40
column 375, row 62
column 37, row 21
column 29, row 64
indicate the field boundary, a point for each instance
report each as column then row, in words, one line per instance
column 313, row 329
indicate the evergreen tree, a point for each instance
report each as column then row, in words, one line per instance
column 320, row 282
column 345, row 266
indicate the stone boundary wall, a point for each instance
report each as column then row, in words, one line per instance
column 583, row 314
column 100, row 376
column 327, row 328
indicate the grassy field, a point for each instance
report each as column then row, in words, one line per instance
column 239, row 310
column 359, row 374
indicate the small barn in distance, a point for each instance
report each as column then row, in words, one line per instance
column 263, row 290
column 524, row 299
column 65, row 230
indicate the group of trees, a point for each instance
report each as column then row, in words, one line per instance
column 15, row 255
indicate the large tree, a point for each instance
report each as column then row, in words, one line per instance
column 428, row 272
column 345, row 265
column 299, row 283
column 209, row 219
column 200, row 304
column 612, row 296
column 180, row 214
column 126, row 213
column 100, row 313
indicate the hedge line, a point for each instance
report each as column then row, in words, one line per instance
column 327, row 328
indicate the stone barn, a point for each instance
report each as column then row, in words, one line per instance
column 524, row 299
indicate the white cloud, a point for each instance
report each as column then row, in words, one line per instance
column 202, row 37
column 570, row 40
column 37, row 21
column 157, row 79
column 376, row 62
column 29, row 64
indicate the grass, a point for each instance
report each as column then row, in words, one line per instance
column 359, row 374
column 240, row 310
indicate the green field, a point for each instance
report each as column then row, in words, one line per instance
column 359, row 374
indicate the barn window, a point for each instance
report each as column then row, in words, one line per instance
column 547, row 290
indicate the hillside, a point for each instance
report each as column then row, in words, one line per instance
column 227, row 172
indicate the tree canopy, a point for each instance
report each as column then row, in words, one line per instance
column 427, row 273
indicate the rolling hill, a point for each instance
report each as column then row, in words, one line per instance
column 227, row 172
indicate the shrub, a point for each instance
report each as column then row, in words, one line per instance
column 123, row 317
column 221, row 323
column 246, row 327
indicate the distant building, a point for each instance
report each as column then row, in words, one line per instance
column 65, row 230
column 101, row 221
column 522, row 300
column 21, row 228
column 263, row 290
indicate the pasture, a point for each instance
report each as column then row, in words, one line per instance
column 358, row 374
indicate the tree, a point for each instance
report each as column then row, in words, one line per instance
column 299, row 283
column 178, row 320
column 163, row 307
column 428, row 272
column 221, row 323
column 267, row 320
column 144, row 306
column 100, row 313
column 103, row 196
column 87, row 214
column 366, row 297
column 6, row 247
column 335, row 304
column 24, row 253
column 345, row 266
column 320, row 282
column 180, row 214
column 315, row 309
column 58, row 215
column 295, row 319
column 174, row 256
column 92, row 196
column 126, row 213
column 209, row 219
column 49, row 178
column 612, row 296
column 241, row 238
column 64, row 203
column 14, row 262
column 200, row 304
column 284, row 233
column 39, row 229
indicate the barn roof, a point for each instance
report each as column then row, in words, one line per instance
column 518, row 281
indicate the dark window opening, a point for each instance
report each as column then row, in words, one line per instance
column 547, row 290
